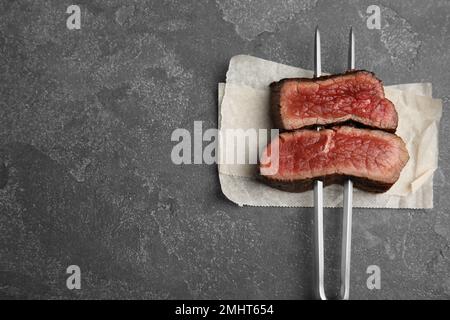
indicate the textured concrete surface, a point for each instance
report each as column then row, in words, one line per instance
column 85, row 172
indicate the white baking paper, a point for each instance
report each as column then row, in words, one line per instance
column 244, row 104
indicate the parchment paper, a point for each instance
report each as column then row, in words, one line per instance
column 244, row 103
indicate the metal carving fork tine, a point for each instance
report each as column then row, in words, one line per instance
column 348, row 203
column 318, row 194
column 318, row 202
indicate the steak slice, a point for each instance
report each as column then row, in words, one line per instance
column 373, row 159
column 355, row 96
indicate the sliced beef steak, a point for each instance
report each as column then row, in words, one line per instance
column 355, row 96
column 372, row 159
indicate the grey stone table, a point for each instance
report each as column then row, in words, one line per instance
column 86, row 176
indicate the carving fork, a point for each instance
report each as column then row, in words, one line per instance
column 318, row 201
